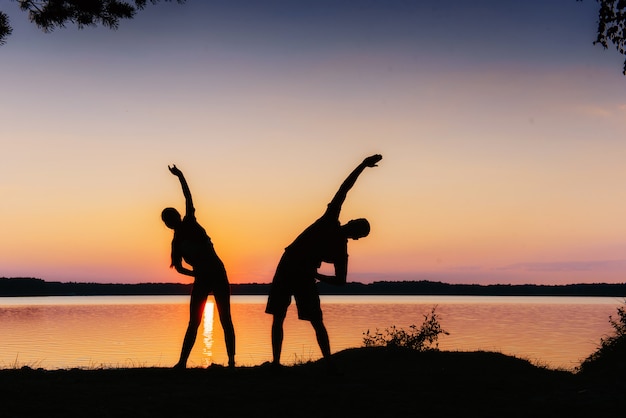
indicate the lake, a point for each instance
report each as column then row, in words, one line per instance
column 146, row 331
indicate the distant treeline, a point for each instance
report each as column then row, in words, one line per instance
column 37, row 287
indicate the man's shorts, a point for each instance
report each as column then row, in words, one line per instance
column 301, row 284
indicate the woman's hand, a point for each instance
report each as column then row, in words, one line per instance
column 175, row 171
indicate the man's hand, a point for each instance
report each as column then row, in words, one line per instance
column 372, row 160
column 175, row 171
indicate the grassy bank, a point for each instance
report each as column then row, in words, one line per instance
column 376, row 381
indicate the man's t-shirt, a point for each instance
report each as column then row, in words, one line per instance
column 320, row 242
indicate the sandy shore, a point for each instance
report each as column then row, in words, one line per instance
column 375, row 382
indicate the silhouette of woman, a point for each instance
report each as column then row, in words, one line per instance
column 192, row 244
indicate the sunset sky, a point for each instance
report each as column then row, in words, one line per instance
column 501, row 125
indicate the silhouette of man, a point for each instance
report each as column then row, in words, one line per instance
column 192, row 244
column 326, row 240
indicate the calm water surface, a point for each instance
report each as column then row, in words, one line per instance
column 144, row 331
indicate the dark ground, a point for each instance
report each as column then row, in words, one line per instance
column 375, row 382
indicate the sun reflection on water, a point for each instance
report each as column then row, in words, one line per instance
column 207, row 334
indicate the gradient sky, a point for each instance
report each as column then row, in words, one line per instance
column 500, row 123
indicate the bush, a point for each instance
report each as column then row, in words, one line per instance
column 420, row 339
column 610, row 358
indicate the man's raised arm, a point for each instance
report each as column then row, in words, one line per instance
column 334, row 206
column 186, row 192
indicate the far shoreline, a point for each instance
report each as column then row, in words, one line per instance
column 28, row 286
